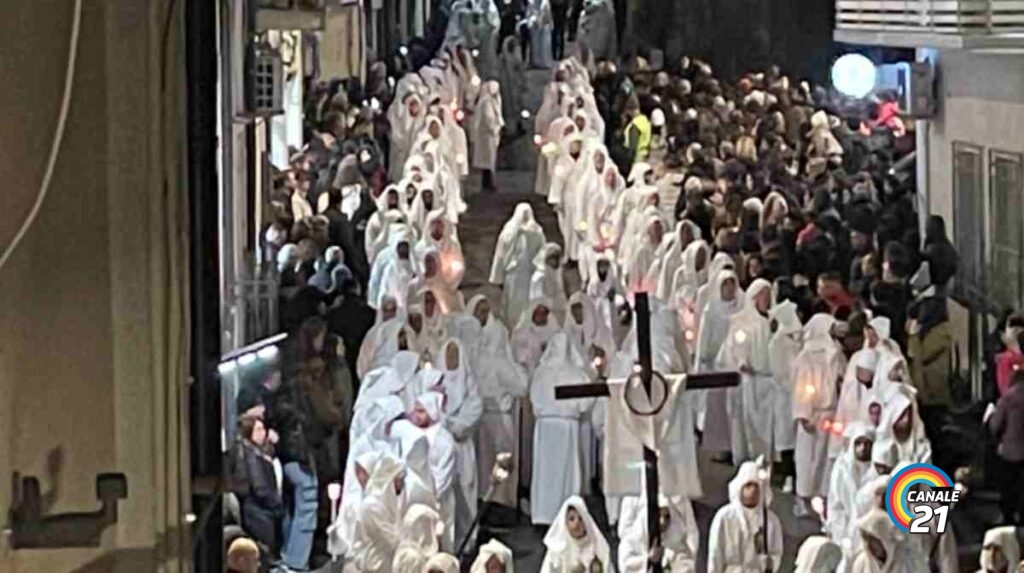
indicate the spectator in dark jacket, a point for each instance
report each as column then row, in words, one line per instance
column 289, row 413
column 939, row 252
column 350, row 318
column 1007, row 425
column 262, row 508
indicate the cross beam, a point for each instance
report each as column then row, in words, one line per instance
column 703, row 381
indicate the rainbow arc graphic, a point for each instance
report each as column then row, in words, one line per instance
column 900, row 484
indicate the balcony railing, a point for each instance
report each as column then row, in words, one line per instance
column 953, row 17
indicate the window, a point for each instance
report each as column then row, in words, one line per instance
column 1005, row 229
column 968, row 220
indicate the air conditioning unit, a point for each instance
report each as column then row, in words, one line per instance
column 914, row 86
column 264, row 83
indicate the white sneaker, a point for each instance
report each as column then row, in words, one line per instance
column 787, row 486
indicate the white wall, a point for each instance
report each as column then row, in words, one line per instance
column 981, row 101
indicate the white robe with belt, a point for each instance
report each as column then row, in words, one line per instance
column 710, row 405
column 751, row 405
column 731, row 540
column 558, row 452
column 817, row 370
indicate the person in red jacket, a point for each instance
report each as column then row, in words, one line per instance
column 1011, row 359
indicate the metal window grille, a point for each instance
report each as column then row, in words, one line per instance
column 1005, row 229
column 968, row 220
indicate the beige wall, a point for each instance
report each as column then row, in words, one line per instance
column 981, row 103
column 76, row 350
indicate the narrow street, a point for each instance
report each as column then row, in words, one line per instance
column 479, row 229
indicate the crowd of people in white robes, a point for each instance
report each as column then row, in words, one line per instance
column 828, row 396
column 456, row 400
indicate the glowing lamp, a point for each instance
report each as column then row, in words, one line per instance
column 637, row 369
column 427, row 366
column 740, row 337
column 334, row 491
column 818, row 505
column 374, row 103
column 475, row 52
column 538, row 140
column 854, row 75
column 404, row 51
column 525, row 114
column 598, row 362
column 391, row 81
column 266, row 353
column 689, row 336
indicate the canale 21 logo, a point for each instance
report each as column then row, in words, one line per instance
column 919, row 498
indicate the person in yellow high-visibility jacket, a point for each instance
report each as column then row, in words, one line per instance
column 638, row 131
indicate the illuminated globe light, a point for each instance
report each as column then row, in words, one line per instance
column 854, row 75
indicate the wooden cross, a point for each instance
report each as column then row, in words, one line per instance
column 693, row 382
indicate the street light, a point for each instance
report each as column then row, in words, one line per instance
column 854, row 75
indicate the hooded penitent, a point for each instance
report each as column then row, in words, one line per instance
column 512, row 266
column 558, row 446
column 849, row 475
column 568, row 553
column 817, row 553
column 731, row 541
column 817, row 371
